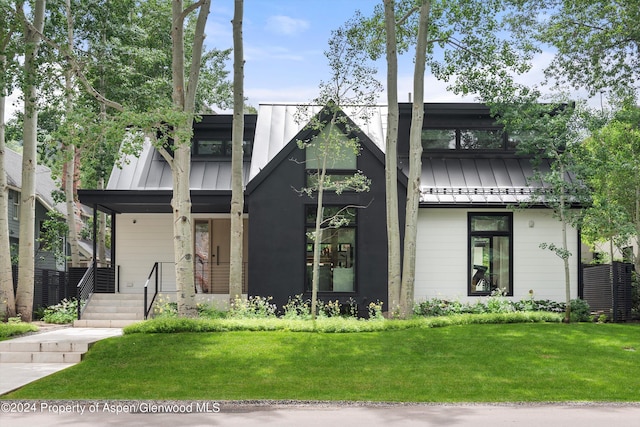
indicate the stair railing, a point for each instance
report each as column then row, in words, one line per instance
column 154, row 272
column 85, row 290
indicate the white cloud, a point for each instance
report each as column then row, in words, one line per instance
column 285, row 25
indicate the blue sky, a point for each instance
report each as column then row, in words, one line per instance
column 284, row 41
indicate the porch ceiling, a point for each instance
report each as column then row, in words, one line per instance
column 153, row 201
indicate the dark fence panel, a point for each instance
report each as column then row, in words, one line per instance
column 49, row 287
column 607, row 289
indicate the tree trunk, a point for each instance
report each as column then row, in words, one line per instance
column 565, row 257
column 7, row 296
column 70, row 158
column 315, row 279
column 415, row 165
column 237, row 184
column 184, row 101
column 391, row 161
column 26, row 268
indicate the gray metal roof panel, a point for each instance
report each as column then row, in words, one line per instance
column 45, row 185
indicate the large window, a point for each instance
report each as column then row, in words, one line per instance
column 337, row 250
column 490, row 253
column 218, row 148
column 492, row 139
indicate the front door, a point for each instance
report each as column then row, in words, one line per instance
column 213, row 255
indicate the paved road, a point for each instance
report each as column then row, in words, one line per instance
column 79, row 414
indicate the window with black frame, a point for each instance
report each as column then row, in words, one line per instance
column 490, row 253
column 218, row 148
column 337, row 264
column 485, row 139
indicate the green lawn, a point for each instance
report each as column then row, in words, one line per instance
column 469, row 363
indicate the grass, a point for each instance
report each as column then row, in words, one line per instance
column 10, row 329
column 467, row 363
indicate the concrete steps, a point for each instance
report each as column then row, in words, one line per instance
column 112, row 311
column 64, row 346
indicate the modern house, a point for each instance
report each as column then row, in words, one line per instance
column 470, row 240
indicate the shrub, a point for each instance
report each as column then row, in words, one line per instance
column 580, row 311
column 209, row 311
column 252, row 307
column 12, row 328
column 66, row 311
column 497, row 303
column 375, row 311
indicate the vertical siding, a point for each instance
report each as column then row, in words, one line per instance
column 441, row 267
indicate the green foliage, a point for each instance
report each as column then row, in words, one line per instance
column 610, row 160
column 375, row 310
column 12, row 328
column 52, row 235
column 66, row 311
column 337, row 324
column 251, row 308
column 559, row 251
column 580, row 311
column 163, row 308
column 497, row 304
column 594, row 41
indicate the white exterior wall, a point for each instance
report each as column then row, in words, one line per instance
column 142, row 240
column 442, row 255
column 146, row 241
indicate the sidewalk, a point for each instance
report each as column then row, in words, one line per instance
column 39, row 347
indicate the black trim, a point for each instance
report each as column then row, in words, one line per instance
column 471, row 234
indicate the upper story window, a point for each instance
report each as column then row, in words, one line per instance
column 467, row 139
column 218, row 148
column 336, row 153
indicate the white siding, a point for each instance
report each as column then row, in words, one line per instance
column 441, row 258
column 142, row 240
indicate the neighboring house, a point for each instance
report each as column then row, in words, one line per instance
column 45, row 187
column 470, row 241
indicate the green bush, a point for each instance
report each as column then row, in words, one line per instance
column 12, row 328
column 331, row 324
column 252, row 307
column 66, row 311
column 580, row 311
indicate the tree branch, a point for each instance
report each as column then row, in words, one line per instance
column 75, row 68
column 190, row 9
column 407, row 15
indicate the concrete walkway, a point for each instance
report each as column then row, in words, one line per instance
column 31, row 357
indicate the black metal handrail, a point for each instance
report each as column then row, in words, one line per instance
column 147, row 307
column 85, row 290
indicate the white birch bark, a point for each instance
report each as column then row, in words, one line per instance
column 70, row 158
column 184, row 101
column 415, row 165
column 391, row 161
column 24, row 292
column 237, row 185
